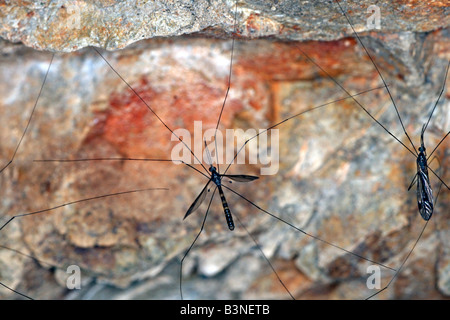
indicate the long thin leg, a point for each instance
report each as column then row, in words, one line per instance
column 442, row 140
column 409, row 253
column 381, row 76
column 25, row 255
column 359, row 104
column 407, row 257
column 31, row 116
column 401, row 266
column 428, row 166
column 193, row 242
column 435, row 105
column 308, row 234
column 439, row 178
column 228, row 87
column 192, row 167
column 265, row 257
column 439, row 97
column 122, row 159
column 74, row 202
column 15, row 291
column 435, row 148
column 436, row 224
column 412, row 182
column 148, row 107
column 291, row 117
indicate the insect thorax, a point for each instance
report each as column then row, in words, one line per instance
column 422, row 161
column 215, row 177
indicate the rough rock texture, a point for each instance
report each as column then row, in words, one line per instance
column 340, row 178
column 70, row 25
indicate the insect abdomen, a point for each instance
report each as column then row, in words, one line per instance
column 426, row 210
column 424, row 192
column 229, row 218
column 226, row 210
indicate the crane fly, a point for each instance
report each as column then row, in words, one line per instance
column 425, row 201
column 216, row 178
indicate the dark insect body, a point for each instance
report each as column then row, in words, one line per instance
column 424, row 192
column 216, row 178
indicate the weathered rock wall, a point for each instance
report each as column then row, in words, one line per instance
column 71, row 25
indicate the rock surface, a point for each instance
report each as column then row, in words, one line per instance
column 340, row 177
column 71, row 25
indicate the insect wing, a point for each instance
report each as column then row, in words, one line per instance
column 198, row 201
column 241, row 177
column 424, row 195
